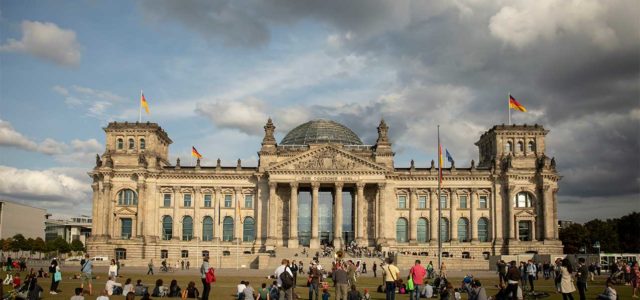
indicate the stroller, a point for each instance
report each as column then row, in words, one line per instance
column 28, row 290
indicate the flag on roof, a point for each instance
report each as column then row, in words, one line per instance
column 514, row 104
column 195, row 153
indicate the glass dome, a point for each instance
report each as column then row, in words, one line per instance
column 321, row 132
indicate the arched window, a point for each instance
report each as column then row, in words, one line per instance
column 120, row 144
column 483, row 230
column 520, row 147
column 207, row 229
column 127, row 197
column 522, row 199
column 132, row 144
column 444, row 229
column 508, row 147
column 463, row 230
column 167, row 228
column 401, row 230
column 143, row 144
column 227, row 229
column 531, row 146
column 187, row 228
column 248, row 230
column 423, row 230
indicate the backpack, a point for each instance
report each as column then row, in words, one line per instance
column 52, row 269
column 287, row 279
column 274, row 293
column 210, row 276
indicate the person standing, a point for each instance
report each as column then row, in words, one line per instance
column 417, row 273
column 113, row 268
column 375, row 269
column 582, row 277
column 206, row 286
column 314, row 284
column 86, row 276
column 364, row 267
column 340, row 278
column 391, row 275
column 54, row 269
column 351, row 273
column 150, row 265
column 294, row 270
column 532, row 270
column 513, row 277
column 430, row 270
column 502, row 271
column 635, row 279
column 566, row 280
column 188, row 265
column 284, row 267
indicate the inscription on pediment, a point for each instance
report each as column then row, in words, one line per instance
column 326, row 160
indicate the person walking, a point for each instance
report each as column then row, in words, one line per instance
column 286, row 290
column 532, row 270
column 443, row 271
column 54, row 270
column 340, row 278
column 374, row 269
column 86, row 276
column 417, row 273
column 206, row 286
column 294, row 270
column 502, row 271
column 150, row 265
column 314, row 284
column 391, row 274
column 513, row 277
column 582, row 277
column 566, row 280
column 635, row 279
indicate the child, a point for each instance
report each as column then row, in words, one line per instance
column 78, row 294
column 366, row 296
column 16, row 281
column 325, row 294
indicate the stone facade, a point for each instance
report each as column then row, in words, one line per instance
column 145, row 207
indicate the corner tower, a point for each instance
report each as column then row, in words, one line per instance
column 132, row 144
column 523, row 143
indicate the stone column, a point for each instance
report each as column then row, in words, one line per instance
column 497, row 223
column 272, row 214
column 258, row 211
column 293, row 216
column 554, row 193
column 95, row 199
column 453, row 221
column 217, row 232
column 413, row 215
column 337, row 221
column 360, row 214
column 239, row 218
column 547, row 208
column 142, row 199
column 381, row 214
column 177, row 233
column 473, row 222
column 315, row 241
column 197, row 218
column 510, row 222
column 108, row 204
column 433, row 210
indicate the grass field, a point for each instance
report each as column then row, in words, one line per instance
column 225, row 287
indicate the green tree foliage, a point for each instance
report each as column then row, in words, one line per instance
column 18, row 243
column 628, row 228
column 574, row 237
column 39, row 245
column 605, row 233
column 77, row 246
column 614, row 235
column 59, row 245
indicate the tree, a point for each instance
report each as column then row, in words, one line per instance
column 605, row 233
column 59, row 245
column 628, row 228
column 6, row 244
column 18, row 243
column 77, row 246
column 39, row 245
column 573, row 238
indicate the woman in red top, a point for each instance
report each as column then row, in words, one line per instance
column 16, row 281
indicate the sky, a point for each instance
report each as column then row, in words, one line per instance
column 214, row 71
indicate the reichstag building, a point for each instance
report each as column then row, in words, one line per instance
column 321, row 185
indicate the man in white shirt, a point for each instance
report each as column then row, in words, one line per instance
column 427, row 290
column 241, row 288
column 284, row 267
column 110, row 285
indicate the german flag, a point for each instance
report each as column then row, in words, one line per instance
column 195, row 153
column 144, row 103
column 514, row 104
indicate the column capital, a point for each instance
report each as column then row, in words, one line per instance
column 413, row 191
column 95, row 186
column 315, row 185
column 454, row 191
column 294, row 184
column 176, row 188
column 474, row 190
column 106, row 186
column 238, row 189
column 273, row 184
column 360, row 185
column 546, row 187
column 217, row 189
column 197, row 189
column 381, row 185
column 339, row 185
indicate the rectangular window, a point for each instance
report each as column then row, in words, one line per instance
column 524, row 230
column 121, row 253
column 402, row 201
column 483, row 202
column 125, row 232
column 248, row 201
column 187, row 200
column 205, row 253
column 184, row 254
column 167, row 200
column 227, row 200
column 443, row 201
column 207, row 200
column 164, row 254
column 463, row 201
column 422, row 202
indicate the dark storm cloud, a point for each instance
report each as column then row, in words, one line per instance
column 576, row 68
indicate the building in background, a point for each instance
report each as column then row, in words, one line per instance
column 322, row 185
column 563, row 224
column 76, row 228
column 16, row 218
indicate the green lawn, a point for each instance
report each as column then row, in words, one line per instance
column 225, row 287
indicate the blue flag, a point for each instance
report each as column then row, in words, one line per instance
column 449, row 158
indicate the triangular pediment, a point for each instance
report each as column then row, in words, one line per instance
column 327, row 158
column 524, row 213
column 125, row 211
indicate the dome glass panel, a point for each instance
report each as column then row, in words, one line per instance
column 321, row 132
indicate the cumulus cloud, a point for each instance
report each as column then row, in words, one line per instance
column 58, row 189
column 97, row 103
column 47, row 41
column 9, row 137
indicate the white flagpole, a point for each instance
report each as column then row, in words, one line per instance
column 509, row 106
column 140, row 108
column 439, row 208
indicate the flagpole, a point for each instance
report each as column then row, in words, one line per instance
column 140, row 108
column 509, row 106
column 439, row 204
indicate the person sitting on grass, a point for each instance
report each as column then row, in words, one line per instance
column 609, row 292
column 248, row 292
column 263, row 292
column 325, row 294
column 158, row 290
column 130, row 296
column 104, row 296
column 112, row 287
column 354, row 294
column 140, row 288
column 128, row 287
column 174, row 289
column 191, row 291
column 78, row 294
